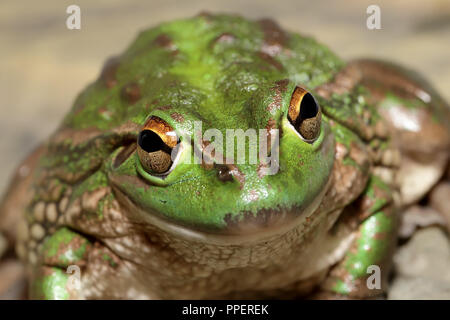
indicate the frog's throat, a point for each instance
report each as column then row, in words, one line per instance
column 140, row 215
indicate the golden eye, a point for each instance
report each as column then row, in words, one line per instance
column 156, row 142
column 304, row 114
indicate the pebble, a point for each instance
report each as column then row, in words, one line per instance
column 422, row 267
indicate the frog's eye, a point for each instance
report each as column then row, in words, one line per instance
column 155, row 144
column 304, row 114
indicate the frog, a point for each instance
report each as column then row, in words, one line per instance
column 111, row 206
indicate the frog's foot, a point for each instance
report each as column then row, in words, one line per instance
column 364, row 270
column 71, row 266
column 57, row 273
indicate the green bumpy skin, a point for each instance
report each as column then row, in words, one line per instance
column 214, row 71
column 62, row 249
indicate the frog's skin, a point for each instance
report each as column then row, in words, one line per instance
column 312, row 228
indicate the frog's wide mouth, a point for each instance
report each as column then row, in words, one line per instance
column 264, row 224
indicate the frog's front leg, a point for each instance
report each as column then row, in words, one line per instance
column 73, row 267
column 57, row 273
column 418, row 119
column 363, row 273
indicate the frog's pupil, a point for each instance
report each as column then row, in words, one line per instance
column 149, row 141
column 308, row 107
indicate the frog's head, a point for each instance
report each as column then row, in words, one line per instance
column 253, row 171
column 223, row 76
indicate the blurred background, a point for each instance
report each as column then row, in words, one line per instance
column 44, row 65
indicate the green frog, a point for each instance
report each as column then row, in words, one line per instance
column 114, row 206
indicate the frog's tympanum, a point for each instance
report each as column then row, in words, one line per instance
column 111, row 200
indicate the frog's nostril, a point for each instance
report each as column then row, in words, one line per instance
column 223, row 173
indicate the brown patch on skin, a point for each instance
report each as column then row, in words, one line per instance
column 380, row 236
column 97, row 255
column 341, row 151
column 164, row 41
column 90, row 200
column 348, row 181
column 274, row 37
column 164, row 108
column 262, row 166
column 55, row 190
column 271, row 124
column 177, row 117
column 381, row 130
column 280, row 87
column 262, row 170
column 128, row 127
column 268, row 58
column 253, row 195
column 108, row 74
column 225, row 37
column 359, row 155
column 104, row 112
column 343, row 82
column 131, row 93
column 75, row 136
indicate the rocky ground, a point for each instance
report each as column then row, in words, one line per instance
column 44, row 66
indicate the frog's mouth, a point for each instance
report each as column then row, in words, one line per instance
column 265, row 224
